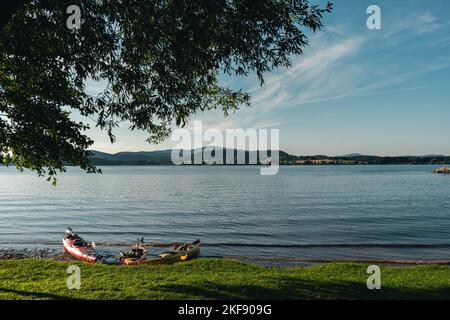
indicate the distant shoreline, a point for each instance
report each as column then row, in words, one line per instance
column 245, row 158
column 260, row 165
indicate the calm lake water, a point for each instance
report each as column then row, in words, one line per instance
column 326, row 212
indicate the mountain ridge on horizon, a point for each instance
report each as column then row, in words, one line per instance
column 349, row 155
column 164, row 157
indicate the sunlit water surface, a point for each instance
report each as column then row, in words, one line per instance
column 320, row 212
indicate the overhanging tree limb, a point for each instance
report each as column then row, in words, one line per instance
column 160, row 59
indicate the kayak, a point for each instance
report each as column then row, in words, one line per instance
column 135, row 255
column 78, row 247
column 188, row 251
column 138, row 255
column 180, row 253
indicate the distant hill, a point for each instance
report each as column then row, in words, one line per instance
column 352, row 155
column 433, row 156
column 163, row 157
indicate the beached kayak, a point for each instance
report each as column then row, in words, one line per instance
column 138, row 255
column 189, row 250
column 181, row 253
column 135, row 255
column 78, row 247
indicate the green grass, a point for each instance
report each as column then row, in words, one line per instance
column 218, row 279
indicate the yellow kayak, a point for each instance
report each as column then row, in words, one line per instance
column 181, row 253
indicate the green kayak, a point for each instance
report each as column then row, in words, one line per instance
column 184, row 252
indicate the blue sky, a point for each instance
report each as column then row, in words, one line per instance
column 384, row 92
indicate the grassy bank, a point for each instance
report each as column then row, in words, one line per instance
column 218, row 279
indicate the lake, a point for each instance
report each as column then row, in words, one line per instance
column 317, row 212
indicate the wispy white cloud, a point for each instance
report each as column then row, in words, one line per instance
column 412, row 27
column 320, row 74
column 334, row 68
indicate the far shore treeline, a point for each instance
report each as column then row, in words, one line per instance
column 163, row 157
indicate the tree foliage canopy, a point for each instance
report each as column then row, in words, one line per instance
column 160, row 60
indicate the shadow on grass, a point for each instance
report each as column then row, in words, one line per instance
column 35, row 295
column 288, row 288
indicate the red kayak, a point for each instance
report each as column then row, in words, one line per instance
column 78, row 248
